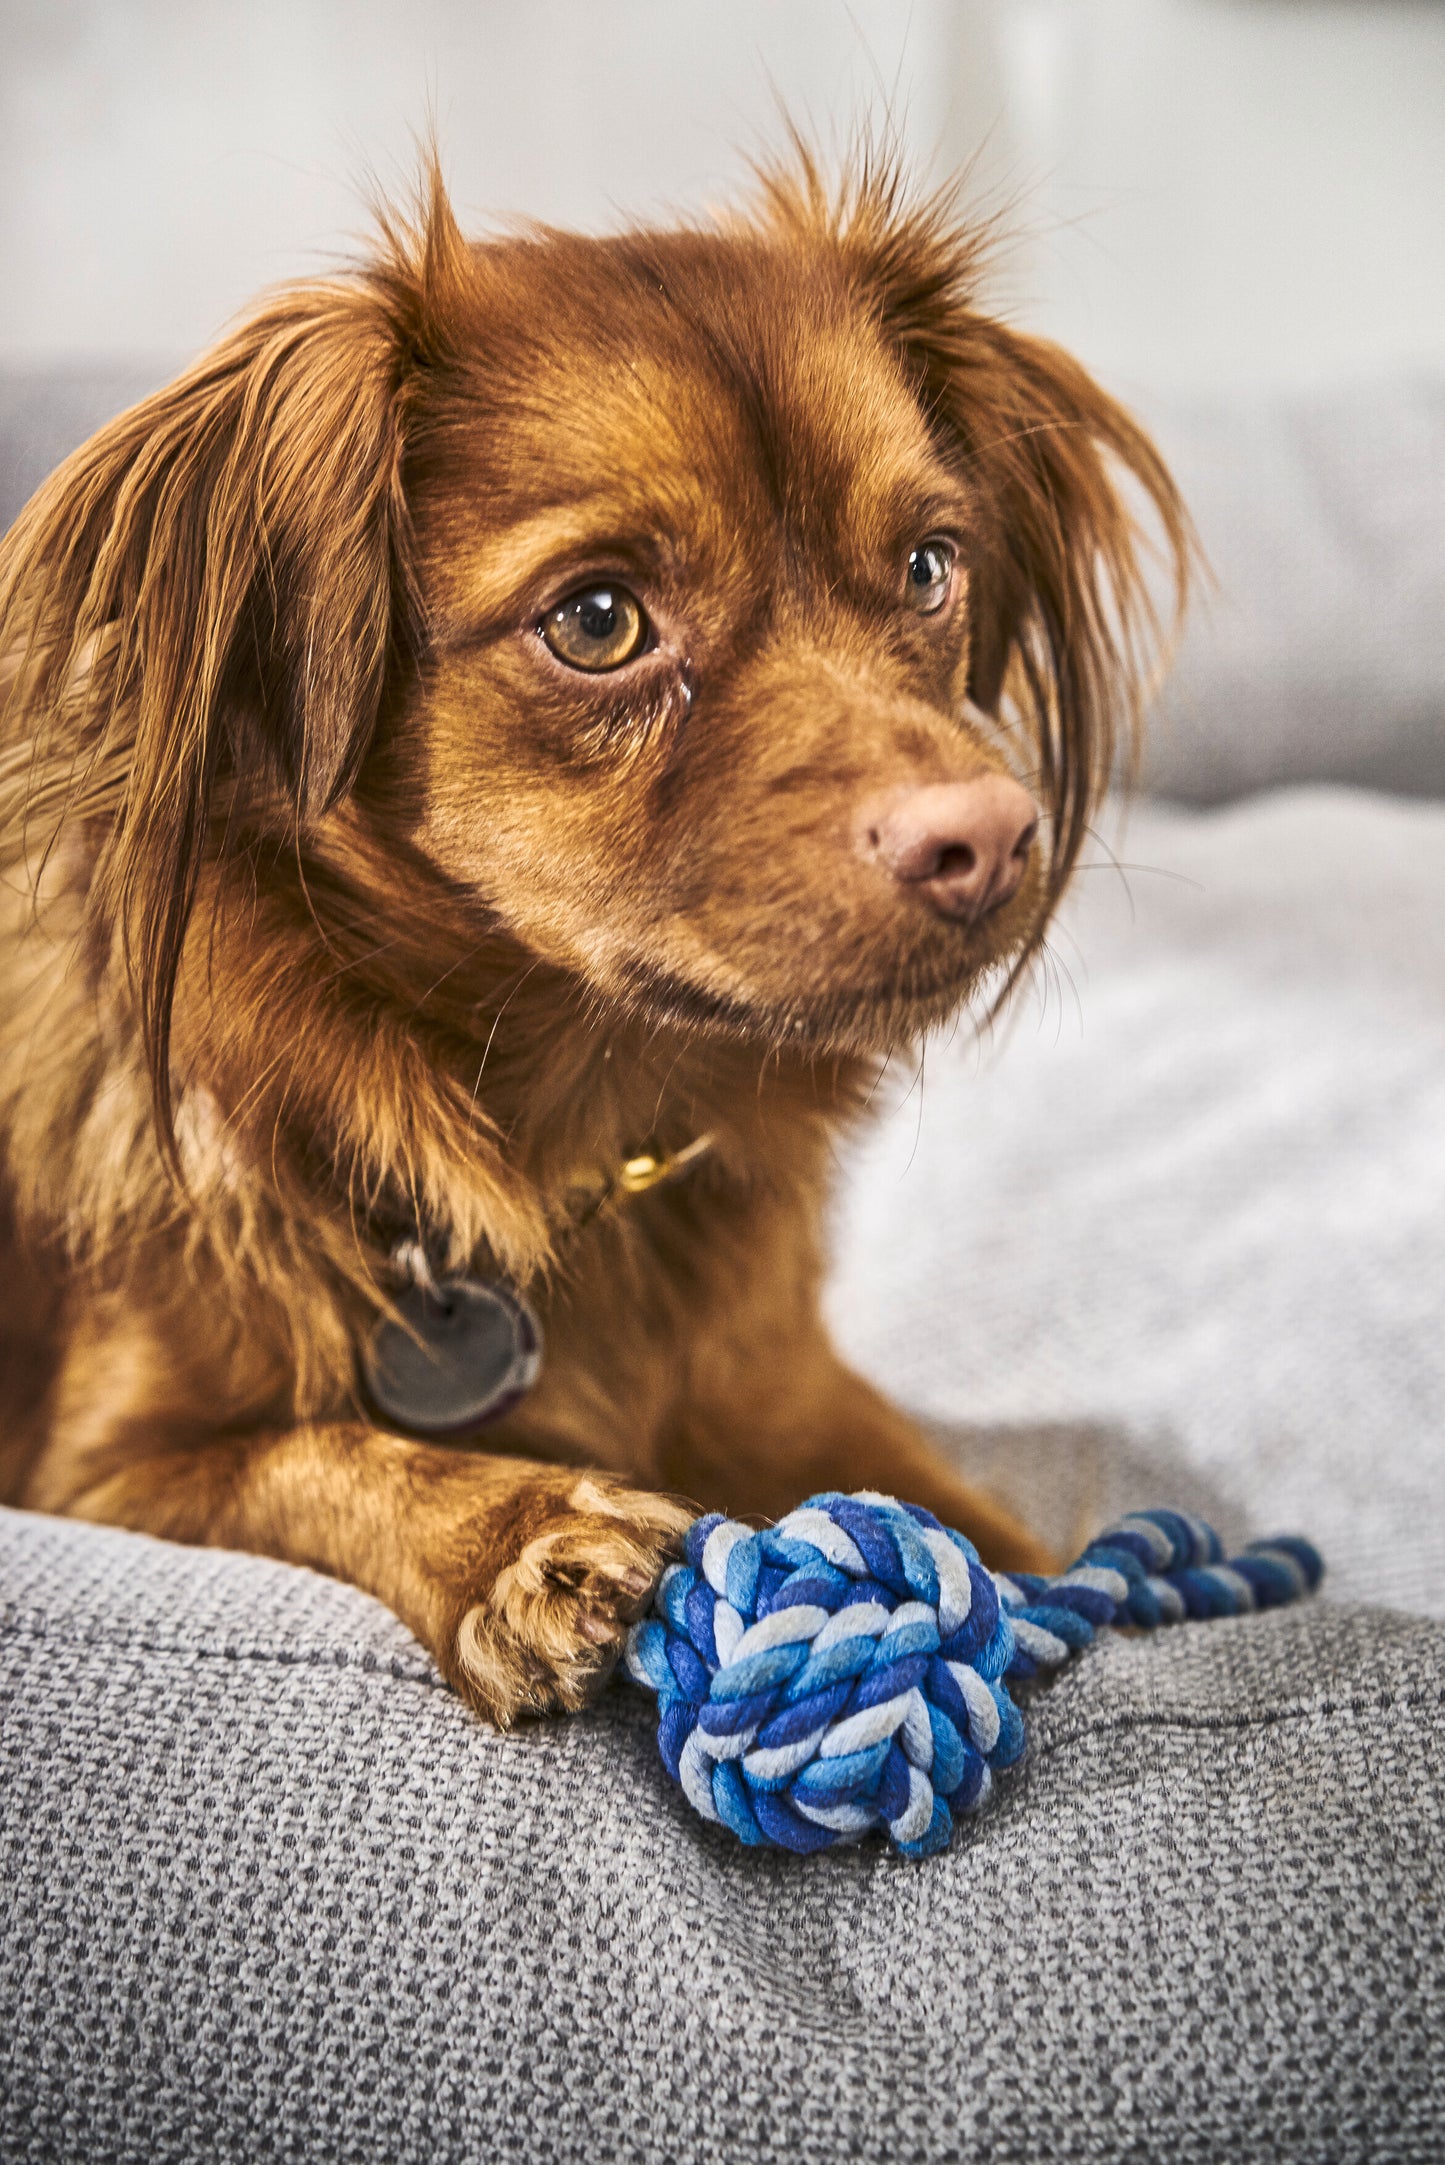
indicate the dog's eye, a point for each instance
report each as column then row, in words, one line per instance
column 929, row 576
column 598, row 627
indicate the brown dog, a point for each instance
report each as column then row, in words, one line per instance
column 506, row 725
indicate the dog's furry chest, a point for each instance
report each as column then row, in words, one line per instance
column 247, row 1292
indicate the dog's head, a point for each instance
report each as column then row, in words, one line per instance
column 738, row 619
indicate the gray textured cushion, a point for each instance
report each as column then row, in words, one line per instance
column 270, row 1893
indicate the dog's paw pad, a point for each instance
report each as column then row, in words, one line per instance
column 550, row 1626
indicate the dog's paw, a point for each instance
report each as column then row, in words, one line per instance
column 546, row 1632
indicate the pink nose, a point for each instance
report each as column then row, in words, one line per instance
column 963, row 845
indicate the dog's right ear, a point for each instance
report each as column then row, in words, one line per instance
column 224, row 571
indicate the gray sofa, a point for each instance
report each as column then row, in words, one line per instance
column 1177, row 1233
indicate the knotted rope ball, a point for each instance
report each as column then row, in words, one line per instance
column 849, row 1667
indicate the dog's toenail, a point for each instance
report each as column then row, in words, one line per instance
column 598, row 1630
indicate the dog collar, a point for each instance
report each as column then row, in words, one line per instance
column 457, row 1353
column 650, row 1168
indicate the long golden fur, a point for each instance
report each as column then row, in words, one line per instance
column 336, row 909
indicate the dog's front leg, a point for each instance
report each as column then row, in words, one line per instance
column 519, row 1577
column 782, row 1418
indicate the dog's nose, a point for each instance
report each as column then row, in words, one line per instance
column 963, row 845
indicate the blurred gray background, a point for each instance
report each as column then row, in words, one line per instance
column 1208, row 192
column 1234, row 210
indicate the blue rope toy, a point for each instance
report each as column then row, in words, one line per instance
column 849, row 1667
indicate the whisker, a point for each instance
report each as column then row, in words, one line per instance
column 496, row 1024
column 918, row 1124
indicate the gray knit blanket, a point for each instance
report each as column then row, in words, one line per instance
column 269, row 1893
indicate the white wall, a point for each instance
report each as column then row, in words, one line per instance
column 1208, row 191
column 159, row 159
column 1241, row 191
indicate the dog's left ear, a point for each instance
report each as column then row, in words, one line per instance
column 1064, row 624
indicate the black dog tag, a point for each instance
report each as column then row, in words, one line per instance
column 465, row 1353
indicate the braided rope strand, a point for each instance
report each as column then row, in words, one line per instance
column 849, row 1667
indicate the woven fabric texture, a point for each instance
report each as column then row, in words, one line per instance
column 269, row 1893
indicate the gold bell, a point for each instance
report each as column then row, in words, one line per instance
column 650, row 1167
